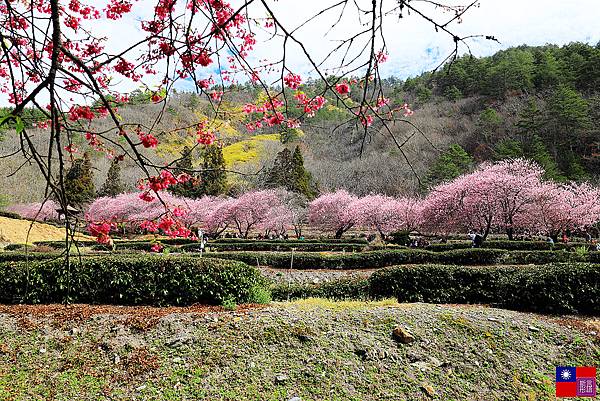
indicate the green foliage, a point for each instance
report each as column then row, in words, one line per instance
column 559, row 132
column 113, row 185
column 512, row 70
column 261, row 246
column 28, row 118
column 4, row 200
column 423, row 94
column 288, row 172
column 452, row 93
column 290, row 135
column 569, row 110
column 341, row 289
column 212, row 178
column 79, row 182
column 191, row 188
column 528, row 142
column 29, row 256
column 535, row 150
column 382, row 258
column 399, row 238
column 570, row 121
column 229, row 304
column 449, row 165
column 139, row 96
column 129, row 280
column 128, row 244
column 4, row 213
column 521, row 69
column 488, row 123
column 507, row 245
column 547, row 70
column 556, row 288
column 260, row 295
column 275, row 246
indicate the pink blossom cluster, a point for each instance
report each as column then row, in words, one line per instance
column 339, row 211
column 38, row 211
column 509, row 197
column 263, row 211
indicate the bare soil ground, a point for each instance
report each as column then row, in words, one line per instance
column 16, row 231
column 312, row 349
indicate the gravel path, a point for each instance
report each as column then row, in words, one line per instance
column 318, row 276
column 284, row 276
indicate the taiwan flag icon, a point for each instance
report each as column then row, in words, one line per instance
column 574, row 381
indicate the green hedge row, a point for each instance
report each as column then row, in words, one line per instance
column 61, row 244
column 259, row 246
column 321, row 240
column 341, row 289
column 264, row 246
column 146, row 280
column 368, row 259
column 508, row 245
column 551, row 288
column 554, row 288
column 141, row 244
column 382, row 258
column 29, row 256
column 10, row 215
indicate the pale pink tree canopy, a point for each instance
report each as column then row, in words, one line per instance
column 46, row 211
column 332, row 212
column 507, row 197
column 252, row 209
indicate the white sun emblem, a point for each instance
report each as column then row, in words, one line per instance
column 565, row 374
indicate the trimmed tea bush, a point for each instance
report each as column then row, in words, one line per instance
column 507, row 245
column 383, row 258
column 130, row 280
column 268, row 246
column 29, row 256
column 341, row 289
column 555, row 288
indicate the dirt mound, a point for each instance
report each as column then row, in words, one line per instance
column 16, row 231
column 312, row 349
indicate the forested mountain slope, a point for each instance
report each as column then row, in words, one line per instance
column 541, row 103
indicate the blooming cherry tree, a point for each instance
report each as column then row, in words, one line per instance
column 56, row 61
column 333, row 212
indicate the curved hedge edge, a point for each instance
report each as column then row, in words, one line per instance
column 340, row 289
column 384, row 258
column 551, row 288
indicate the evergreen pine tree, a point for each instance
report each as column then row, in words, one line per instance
column 213, row 178
column 113, row 185
column 288, row 172
column 530, row 121
column 79, row 182
column 301, row 179
column 570, row 123
column 450, row 164
column 191, row 188
column 281, row 172
column 530, row 144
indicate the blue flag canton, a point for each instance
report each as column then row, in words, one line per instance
column 566, row 374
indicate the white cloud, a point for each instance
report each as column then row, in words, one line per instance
column 414, row 45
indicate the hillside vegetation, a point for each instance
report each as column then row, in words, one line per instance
column 540, row 103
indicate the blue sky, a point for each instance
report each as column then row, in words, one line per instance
column 414, row 46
